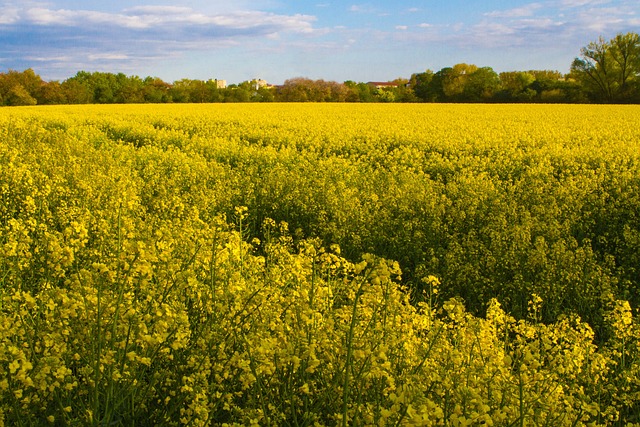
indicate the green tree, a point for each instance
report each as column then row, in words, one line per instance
column 421, row 84
column 302, row 89
column 76, row 91
column 625, row 51
column 358, row 92
column 18, row 95
column 198, row 91
column 101, row 86
column 180, row 91
column 155, row 90
column 295, row 90
column 104, row 86
column 20, row 87
column 238, row 93
column 52, row 93
column 516, row 86
column 264, row 94
column 28, row 79
column 214, row 94
column 436, row 85
column 481, row 85
column 403, row 92
column 455, row 81
column 609, row 70
column 385, row 95
column 129, row 89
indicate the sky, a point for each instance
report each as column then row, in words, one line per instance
column 320, row 39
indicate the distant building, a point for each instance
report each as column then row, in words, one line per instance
column 260, row 83
column 221, row 84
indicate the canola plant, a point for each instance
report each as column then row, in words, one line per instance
column 320, row 265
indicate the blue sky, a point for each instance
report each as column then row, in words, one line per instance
column 279, row 39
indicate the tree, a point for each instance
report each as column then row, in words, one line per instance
column 460, row 83
column 20, row 87
column 29, row 80
column 294, row 90
column 481, row 85
column 403, row 92
column 436, row 92
column 516, row 86
column 214, row 94
column 385, row 95
column 609, row 71
column 18, row 95
column 358, row 92
column 264, row 94
column 52, row 93
column 101, row 86
column 198, row 91
column 302, row 89
column 420, row 82
column 625, row 51
column 594, row 71
column 240, row 93
column 339, row 92
column 455, row 81
column 76, row 91
column 180, row 90
column 155, row 90
column 129, row 89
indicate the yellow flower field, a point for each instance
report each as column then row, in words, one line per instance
column 320, row 265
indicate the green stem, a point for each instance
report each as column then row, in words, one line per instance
column 345, row 389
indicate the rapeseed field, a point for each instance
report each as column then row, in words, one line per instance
column 320, row 265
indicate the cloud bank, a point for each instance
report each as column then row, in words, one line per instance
column 370, row 40
column 90, row 39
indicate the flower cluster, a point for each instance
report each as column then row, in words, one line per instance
column 224, row 266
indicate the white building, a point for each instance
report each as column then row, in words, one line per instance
column 259, row 83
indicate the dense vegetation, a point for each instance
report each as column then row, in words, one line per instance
column 605, row 72
column 320, row 265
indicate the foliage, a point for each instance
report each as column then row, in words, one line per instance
column 610, row 70
column 148, row 274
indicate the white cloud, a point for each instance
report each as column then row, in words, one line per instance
column 362, row 8
column 229, row 34
column 137, row 37
column 518, row 12
column 604, row 21
column 552, row 23
column 9, row 15
column 49, row 58
column 157, row 17
column 489, row 30
column 159, row 10
column 582, row 3
column 540, row 23
column 108, row 56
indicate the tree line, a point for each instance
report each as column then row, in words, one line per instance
column 607, row 71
